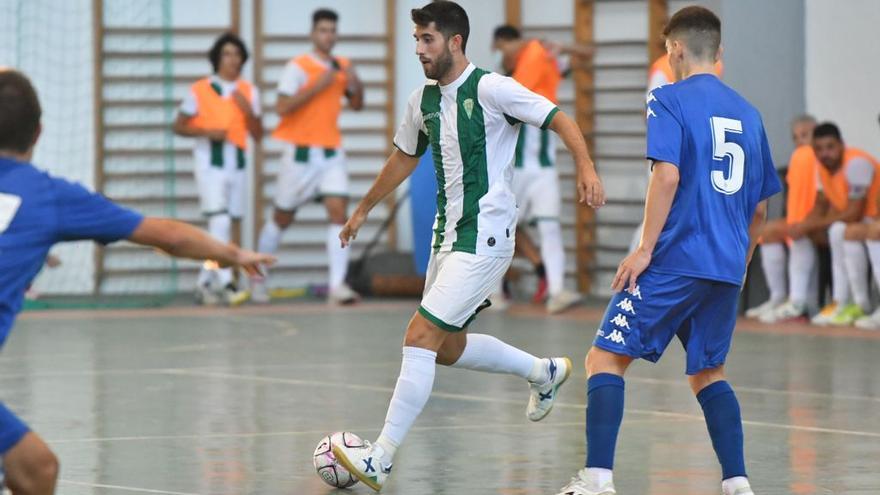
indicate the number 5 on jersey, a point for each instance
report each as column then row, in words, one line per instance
column 8, row 208
column 732, row 181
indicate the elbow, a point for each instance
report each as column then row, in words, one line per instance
column 760, row 215
column 667, row 177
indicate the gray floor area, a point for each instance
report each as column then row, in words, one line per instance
column 187, row 401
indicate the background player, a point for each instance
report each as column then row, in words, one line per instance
column 220, row 111
column 471, row 119
column 310, row 94
column 801, row 195
column 535, row 177
column 37, row 211
column 712, row 174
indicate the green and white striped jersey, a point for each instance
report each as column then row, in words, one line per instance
column 472, row 126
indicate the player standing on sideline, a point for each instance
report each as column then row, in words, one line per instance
column 801, row 180
column 37, row 211
column 220, row 111
column 471, row 120
column 712, row 174
column 535, row 177
column 310, row 94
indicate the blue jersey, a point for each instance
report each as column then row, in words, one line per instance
column 717, row 141
column 37, row 211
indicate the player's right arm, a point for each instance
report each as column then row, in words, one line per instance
column 813, row 220
column 182, row 240
column 293, row 92
column 86, row 215
column 411, row 142
column 185, row 114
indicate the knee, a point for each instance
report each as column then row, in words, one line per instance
column 424, row 334
column 282, row 219
column 38, row 477
column 602, row 361
column 873, row 232
column 705, row 378
column 450, row 351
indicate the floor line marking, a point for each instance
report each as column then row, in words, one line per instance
column 123, row 488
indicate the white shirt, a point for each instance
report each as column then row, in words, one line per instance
column 202, row 148
column 476, row 120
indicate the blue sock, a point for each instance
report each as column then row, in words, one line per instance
column 604, row 414
column 723, row 419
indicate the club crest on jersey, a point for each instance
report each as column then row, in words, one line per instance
column 468, row 106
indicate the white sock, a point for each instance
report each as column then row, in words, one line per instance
column 601, row 475
column 552, row 254
column 839, row 278
column 856, row 260
column 773, row 263
column 874, row 254
column 730, row 485
column 220, row 228
column 337, row 257
column 410, row 396
column 270, row 238
column 800, row 268
column 486, row 353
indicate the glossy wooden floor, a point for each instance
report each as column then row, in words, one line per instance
column 195, row 401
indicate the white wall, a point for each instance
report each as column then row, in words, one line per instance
column 842, row 73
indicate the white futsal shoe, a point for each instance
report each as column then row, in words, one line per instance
column 542, row 396
column 585, row 484
column 364, row 462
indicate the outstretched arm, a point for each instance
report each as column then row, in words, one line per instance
column 185, row 241
column 661, row 192
column 589, row 185
column 397, row 168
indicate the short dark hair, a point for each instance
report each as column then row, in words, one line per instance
column 448, row 18
column 324, row 15
column 827, row 129
column 20, row 112
column 217, row 49
column 506, row 32
column 701, row 29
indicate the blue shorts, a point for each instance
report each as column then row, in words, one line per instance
column 12, row 430
column 701, row 312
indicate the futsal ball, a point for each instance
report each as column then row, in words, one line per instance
column 329, row 469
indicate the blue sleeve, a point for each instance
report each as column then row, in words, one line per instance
column 83, row 214
column 771, row 184
column 664, row 133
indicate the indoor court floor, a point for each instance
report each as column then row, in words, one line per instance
column 186, row 401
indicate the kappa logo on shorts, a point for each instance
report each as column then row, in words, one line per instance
column 620, row 321
column 637, row 292
column 616, row 337
column 627, row 305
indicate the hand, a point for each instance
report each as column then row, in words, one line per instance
column 629, row 270
column 326, row 79
column 215, row 134
column 242, row 103
column 252, row 262
column 554, row 47
column 590, row 190
column 796, row 231
column 351, row 227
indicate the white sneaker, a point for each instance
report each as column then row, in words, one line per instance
column 363, row 461
column 207, row 296
column 542, row 397
column 585, row 484
column 260, row 291
column 870, row 322
column 736, row 486
column 827, row 314
column 233, row 297
column 562, row 301
column 786, row 312
column 342, row 295
column 765, row 307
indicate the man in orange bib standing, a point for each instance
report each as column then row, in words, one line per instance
column 310, row 94
column 220, row 111
column 534, row 64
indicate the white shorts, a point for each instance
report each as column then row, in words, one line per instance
column 307, row 174
column 458, row 285
column 220, row 190
column 537, row 193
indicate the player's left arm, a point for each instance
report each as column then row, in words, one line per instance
column 661, row 193
column 251, row 113
column 589, row 185
column 354, row 90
